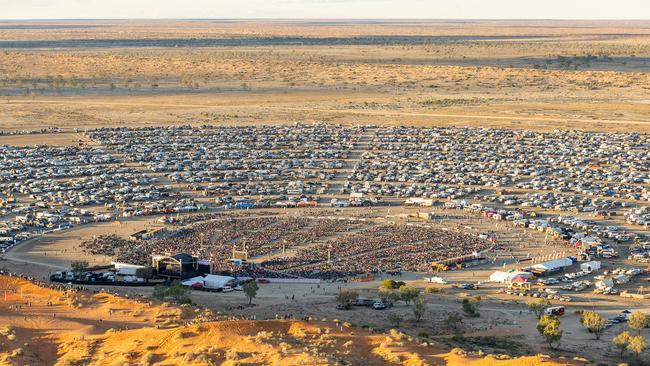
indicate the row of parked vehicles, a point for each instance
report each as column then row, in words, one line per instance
column 576, row 286
column 99, row 278
column 548, row 293
column 370, row 303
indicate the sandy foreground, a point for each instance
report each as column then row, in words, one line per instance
column 48, row 326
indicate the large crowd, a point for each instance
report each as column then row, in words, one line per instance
column 213, row 239
column 380, row 248
column 352, row 246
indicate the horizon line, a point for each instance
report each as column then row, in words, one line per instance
column 330, row 19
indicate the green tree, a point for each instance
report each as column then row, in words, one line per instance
column 538, row 306
column 638, row 321
column 470, row 307
column 145, row 272
column 388, row 296
column 408, row 294
column 176, row 291
column 434, row 290
column 549, row 328
column 346, row 296
column 594, row 322
column 454, row 322
column 419, row 308
column 636, row 344
column 79, row 266
column 179, row 293
column 621, row 341
column 384, row 294
column 159, row 292
column 395, row 319
column 388, row 284
column 438, row 267
column 250, row 289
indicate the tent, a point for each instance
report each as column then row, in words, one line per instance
column 216, row 281
column 554, row 264
column 499, row 276
column 192, row 281
column 511, row 276
column 210, row 281
column 519, row 278
column 590, row 266
column 126, row 269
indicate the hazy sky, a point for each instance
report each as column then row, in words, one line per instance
column 484, row 9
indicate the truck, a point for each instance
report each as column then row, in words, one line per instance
column 439, row 280
column 554, row 311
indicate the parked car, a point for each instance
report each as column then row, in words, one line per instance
column 227, row 289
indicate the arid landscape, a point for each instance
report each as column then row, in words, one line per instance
column 319, row 161
column 589, row 75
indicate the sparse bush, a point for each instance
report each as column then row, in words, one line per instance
column 458, row 351
column 8, row 330
column 250, row 290
column 263, row 336
column 147, row 358
column 594, row 322
column 388, row 284
column 638, row 321
column 454, row 322
column 419, row 307
column 346, row 296
column 189, row 357
column 470, row 308
column 395, row 319
column 408, row 294
column 284, row 347
column 232, row 355
column 549, row 328
column 79, row 266
column 396, row 335
column 388, row 295
column 176, row 291
column 181, row 335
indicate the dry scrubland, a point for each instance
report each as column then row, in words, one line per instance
column 102, row 329
column 589, row 75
